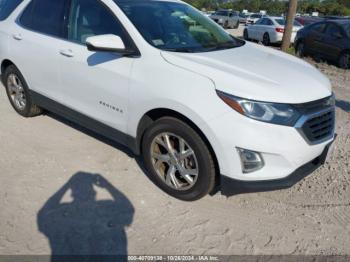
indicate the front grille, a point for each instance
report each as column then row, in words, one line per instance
column 319, row 127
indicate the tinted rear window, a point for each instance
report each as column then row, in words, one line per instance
column 318, row 27
column 7, row 7
column 45, row 16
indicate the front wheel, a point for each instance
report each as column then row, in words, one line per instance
column 178, row 160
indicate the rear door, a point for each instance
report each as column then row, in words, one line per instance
column 263, row 27
column 34, row 45
column 313, row 39
column 253, row 30
column 331, row 45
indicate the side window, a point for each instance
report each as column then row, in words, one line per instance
column 264, row 21
column 259, row 22
column 89, row 18
column 7, row 7
column 318, row 27
column 333, row 31
column 269, row 22
column 45, row 17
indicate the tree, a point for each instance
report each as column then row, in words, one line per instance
column 292, row 9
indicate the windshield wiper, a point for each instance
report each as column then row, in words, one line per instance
column 180, row 49
column 222, row 46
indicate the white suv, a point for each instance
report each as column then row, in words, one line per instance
column 201, row 107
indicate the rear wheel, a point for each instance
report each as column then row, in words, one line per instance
column 266, row 39
column 245, row 34
column 178, row 160
column 226, row 24
column 18, row 93
column 344, row 60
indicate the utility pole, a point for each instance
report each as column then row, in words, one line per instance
column 292, row 10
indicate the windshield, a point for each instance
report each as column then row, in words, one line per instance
column 176, row 27
column 283, row 22
column 255, row 16
column 222, row 13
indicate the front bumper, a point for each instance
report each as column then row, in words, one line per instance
column 283, row 148
column 230, row 186
column 278, row 37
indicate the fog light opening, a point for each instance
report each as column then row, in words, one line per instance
column 251, row 161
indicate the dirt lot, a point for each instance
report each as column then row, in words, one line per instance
column 40, row 161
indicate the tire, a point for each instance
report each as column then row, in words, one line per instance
column 165, row 170
column 344, row 60
column 225, row 24
column 18, row 93
column 266, row 39
column 245, row 35
column 237, row 25
column 300, row 50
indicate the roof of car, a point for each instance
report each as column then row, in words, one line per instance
column 275, row 17
column 339, row 21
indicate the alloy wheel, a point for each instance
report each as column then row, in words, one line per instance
column 266, row 39
column 16, row 91
column 174, row 161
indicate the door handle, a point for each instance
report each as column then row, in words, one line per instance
column 67, row 53
column 17, row 37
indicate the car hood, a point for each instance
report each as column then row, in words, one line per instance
column 256, row 72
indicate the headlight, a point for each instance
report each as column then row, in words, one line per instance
column 274, row 113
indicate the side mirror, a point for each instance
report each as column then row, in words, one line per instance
column 107, row 43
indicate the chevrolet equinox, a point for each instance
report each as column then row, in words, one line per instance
column 201, row 107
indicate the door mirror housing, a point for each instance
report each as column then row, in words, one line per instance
column 107, row 43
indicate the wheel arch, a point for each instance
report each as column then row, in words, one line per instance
column 5, row 64
column 157, row 113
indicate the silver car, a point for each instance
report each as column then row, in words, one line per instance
column 269, row 30
column 226, row 18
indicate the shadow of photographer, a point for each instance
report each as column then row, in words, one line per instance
column 86, row 228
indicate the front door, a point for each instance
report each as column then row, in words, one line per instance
column 95, row 84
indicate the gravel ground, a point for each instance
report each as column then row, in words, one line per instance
column 44, row 158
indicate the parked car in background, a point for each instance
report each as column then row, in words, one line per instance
column 226, row 18
column 336, row 17
column 242, row 18
column 269, row 30
column 308, row 20
column 329, row 40
column 253, row 18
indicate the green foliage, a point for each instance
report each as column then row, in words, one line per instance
column 275, row 7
